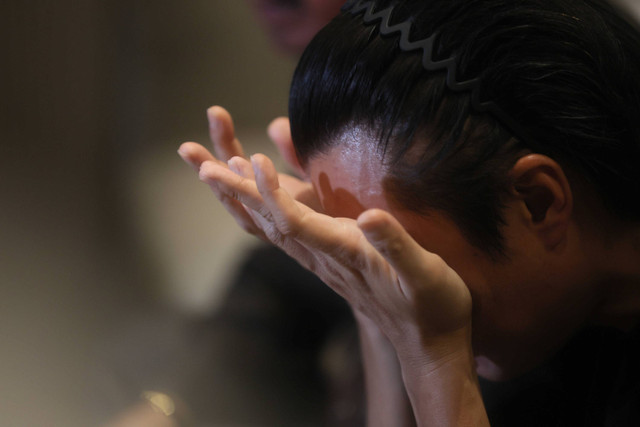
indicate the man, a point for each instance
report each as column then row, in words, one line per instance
column 475, row 167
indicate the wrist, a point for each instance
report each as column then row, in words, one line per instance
column 430, row 353
column 441, row 381
column 414, row 348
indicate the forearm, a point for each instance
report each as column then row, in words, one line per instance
column 443, row 386
column 387, row 400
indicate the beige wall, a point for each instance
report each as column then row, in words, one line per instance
column 88, row 90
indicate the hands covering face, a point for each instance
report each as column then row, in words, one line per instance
column 417, row 301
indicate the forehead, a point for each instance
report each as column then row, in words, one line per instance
column 348, row 177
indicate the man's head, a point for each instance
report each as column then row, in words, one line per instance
column 565, row 71
column 291, row 24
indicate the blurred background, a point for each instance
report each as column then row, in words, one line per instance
column 100, row 220
column 107, row 240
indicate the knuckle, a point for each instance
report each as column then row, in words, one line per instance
column 264, row 212
column 393, row 248
column 274, row 236
column 290, row 226
column 234, row 194
column 355, row 258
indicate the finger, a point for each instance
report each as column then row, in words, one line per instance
column 237, row 183
column 280, row 133
column 297, row 221
column 333, row 248
column 410, row 260
column 222, row 134
column 210, row 173
column 242, row 167
column 194, row 154
column 438, row 293
column 285, row 211
column 242, row 189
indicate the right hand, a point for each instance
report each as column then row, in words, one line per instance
column 226, row 145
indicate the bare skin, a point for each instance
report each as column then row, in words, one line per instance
column 384, row 268
column 561, row 273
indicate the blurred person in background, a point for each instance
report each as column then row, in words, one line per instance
column 291, row 24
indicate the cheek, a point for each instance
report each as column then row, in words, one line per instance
column 438, row 235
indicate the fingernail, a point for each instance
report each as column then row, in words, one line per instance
column 202, row 176
column 185, row 158
column 211, row 118
column 255, row 166
column 233, row 165
column 204, row 169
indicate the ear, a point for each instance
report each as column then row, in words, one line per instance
column 543, row 189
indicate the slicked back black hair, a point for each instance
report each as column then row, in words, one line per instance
column 568, row 71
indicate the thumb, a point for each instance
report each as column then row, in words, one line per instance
column 280, row 133
column 410, row 260
column 444, row 299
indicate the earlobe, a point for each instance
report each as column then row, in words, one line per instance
column 543, row 189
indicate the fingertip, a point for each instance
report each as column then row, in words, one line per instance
column 215, row 111
column 373, row 220
column 186, row 147
column 193, row 154
column 206, row 170
column 385, row 233
column 256, row 164
column 183, row 150
column 211, row 115
column 278, row 128
column 220, row 121
column 264, row 171
column 257, row 160
column 233, row 163
column 237, row 164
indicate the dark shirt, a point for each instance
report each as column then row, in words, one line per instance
column 593, row 381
